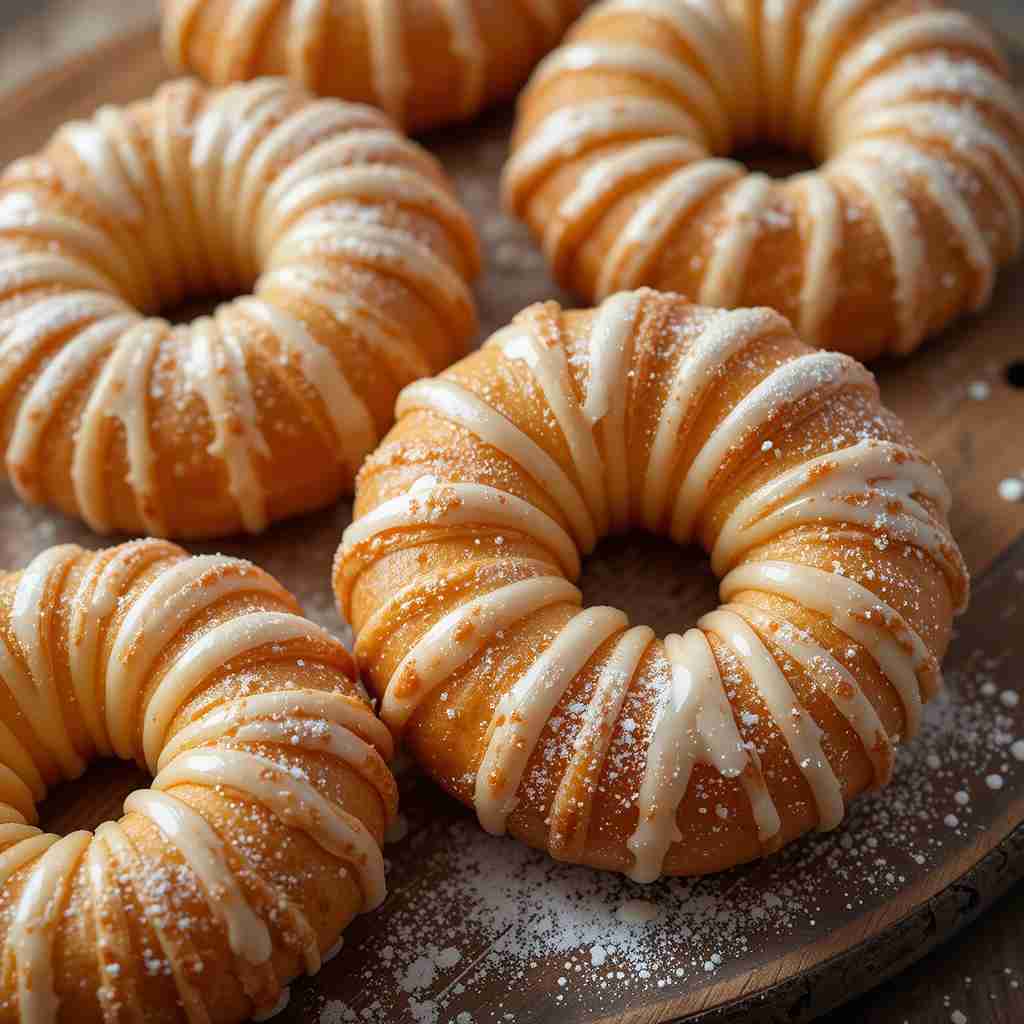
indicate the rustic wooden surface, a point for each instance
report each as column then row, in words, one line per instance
column 812, row 966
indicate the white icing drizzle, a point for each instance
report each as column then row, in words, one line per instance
column 727, row 268
column 523, row 711
column 48, row 393
column 109, row 183
column 28, row 334
column 24, row 773
column 243, row 23
column 695, row 25
column 293, row 800
column 364, row 139
column 217, row 371
column 549, row 367
column 900, row 653
column 820, row 287
column 397, row 352
column 398, row 186
column 10, row 816
column 305, row 39
column 292, row 705
column 887, row 192
column 817, row 374
column 300, row 128
column 204, row 852
column 350, row 418
column 656, row 218
column 175, row 947
column 27, row 844
column 933, row 176
column 936, row 74
column 607, row 395
column 37, row 912
column 177, row 22
column 389, row 66
column 96, row 600
column 156, row 617
column 871, row 483
column 32, row 681
column 647, row 63
column 600, row 185
column 408, row 600
column 874, row 486
column 14, row 793
column 435, row 504
column 387, row 250
column 798, row 728
column 121, row 393
column 156, row 256
column 960, row 130
column 458, row 405
column 572, row 131
column 321, row 736
column 826, row 29
column 720, row 338
column 455, row 638
column 693, row 724
column 467, row 45
column 222, row 134
column 778, row 39
column 214, row 649
column 250, row 157
column 924, row 30
column 113, row 938
column 27, row 219
column 172, row 126
column 34, row 270
column 569, row 813
column 836, row 681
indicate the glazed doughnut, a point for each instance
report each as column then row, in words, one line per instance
column 620, row 163
column 424, row 63
column 358, row 258
column 565, row 726
column 260, row 837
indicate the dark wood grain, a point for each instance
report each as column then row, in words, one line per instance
column 813, row 966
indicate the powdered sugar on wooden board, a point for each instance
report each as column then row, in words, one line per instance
column 526, row 939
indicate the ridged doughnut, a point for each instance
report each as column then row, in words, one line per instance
column 425, row 63
column 260, row 837
column 599, row 742
column 619, row 161
column 358, row 258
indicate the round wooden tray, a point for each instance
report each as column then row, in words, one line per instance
column 478, row 929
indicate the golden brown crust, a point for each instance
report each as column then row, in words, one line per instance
column 426, row 64
column 359, row 259
column 399, row 574
column 130, row 927
column 908, row 107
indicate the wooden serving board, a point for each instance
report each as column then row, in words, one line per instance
column 478, row 929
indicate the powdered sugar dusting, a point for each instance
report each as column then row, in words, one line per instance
column 519, row 927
